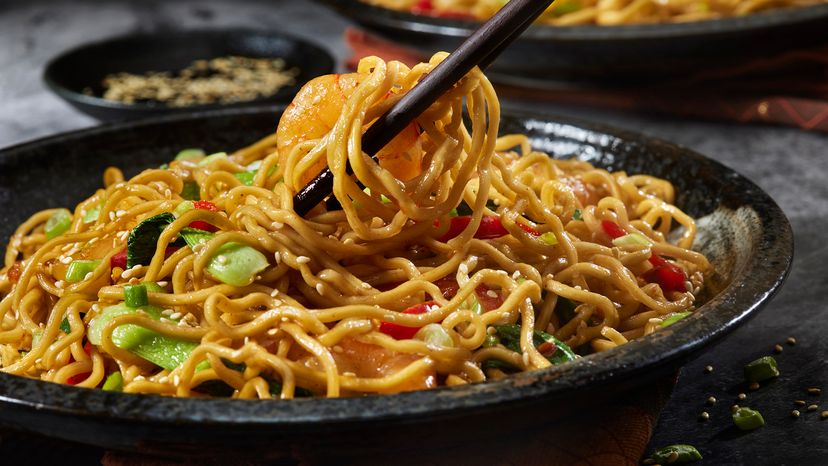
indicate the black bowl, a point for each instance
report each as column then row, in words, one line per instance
column 85, row 67
column 742, row 230
column 608, row 53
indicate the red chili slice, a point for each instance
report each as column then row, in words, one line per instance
column 490, row 227
column 205, row 205
column 119, row 260
column 402, row 332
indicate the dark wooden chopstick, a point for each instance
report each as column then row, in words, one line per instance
column 479, row 49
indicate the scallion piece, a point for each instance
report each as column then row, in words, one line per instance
column 748, row 419
column 78, row 269
column 189, row 154
column 576, row 215
column 114, row 383
column 675, row 317
column 676, row 454
column 237, row 264
column 64, row 326
column 761, row 369
column 246, row 178
column 58, row 223
column 153, row 287
column 212, row 158
column 631, row 239
column 490, row 341
column 135, row 295
column 549, row 238
column 183, row 208
column 92, row 214
column 435, row 334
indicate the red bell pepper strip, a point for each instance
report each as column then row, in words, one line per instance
column 487, row 301
column 667, row 275
column 202, row 225
column 402, row 332
column 490, row 227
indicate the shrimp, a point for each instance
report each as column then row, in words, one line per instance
column 314, row 112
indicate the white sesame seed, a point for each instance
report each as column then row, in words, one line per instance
column 516, row 274
column 285, row 319
column 162, row 283
column 175, row 315
column 73, row 251
column 337, row 349
column 176, row 380
column 277, row 225
column 277, row 302
column 303, row 259
column 491, row 294
column 120, row 213
column 66, row 260
column 246, row 340
column 93, row 240
column 88, row 276
column 366, row 285
column 111, row 216
column 138, row 378
column 222, row 259
column 163, row 379
column 348, row 241
column 273, row 331
column 319, row 288
column 349, row 374
column 274, row 293
column 137, row 267
column 59, row 283
column 278, row 256
column 525, row 357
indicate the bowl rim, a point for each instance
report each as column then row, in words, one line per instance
column 321, row 55
column 449, row 27
column 771, row 262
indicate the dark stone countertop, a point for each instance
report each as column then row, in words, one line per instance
column 790, row 164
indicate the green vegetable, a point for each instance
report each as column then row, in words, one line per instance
column 463, row 209
column 686, row 454
column 631, row 239
column 153, row 287
column 191, row 191
column 453, row 213
column 135, row 295
column 576, row 215
column 235, row 264
column 748, row 419
column 434, row 334
column 246, row 178
column 143, row 239
column 114, row 383
column 491, row 340
column 476, row 307
column 674, row 317
column 761, row 369
column 78, row 269
column 161, row 350
column 510, row 338
column 64, row 326
column 183, row 207
column 565, row 309
column 212, row 158
column 58, row 223
column 164, row 166
column 189, row 154
column 92, row 214
column 549, row 238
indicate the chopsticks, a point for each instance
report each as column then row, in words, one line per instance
column 479, row 49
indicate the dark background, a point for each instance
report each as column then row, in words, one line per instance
column 790, row 164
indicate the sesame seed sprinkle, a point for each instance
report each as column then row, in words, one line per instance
column 525, row 359
column 162, row 283
column 303, row 259
column 777, row 348
column 754, row 386
column 791, row 341
column 66, row 260
column 823, row 415
column 704, row 416
column 175, row 315
column 277, row 225
column 795, row 413
column 711, row 400
column 491, row 294
column 491, row 330
column 111, row 216
column 741, row 396
column 59, row 284
column 812, row 407
column 366, row 285
column 337, row 349
column 708, row 369
column 814, row 391
column 278, row 256
column 176, row 380
column 320, row 288
column 88, row 276
column 272, row 331
column 799, row 403
column 734, row 408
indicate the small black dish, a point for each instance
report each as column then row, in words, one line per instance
column 85, row 67
column 608, row 53
column 741, row 229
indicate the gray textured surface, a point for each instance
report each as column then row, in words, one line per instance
column 791, row 165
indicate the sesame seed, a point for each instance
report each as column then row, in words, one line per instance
column 278, row 256
column 365, row 285
column 303, row 259
column 274, row 292
column 734, row 408
column 162, row 283
column 246, row 340
column 708, row 369
column 273, row 331
column 823, row 415
column 163, row 379
column 711, row 400
column 491, row 330
column 175, row 315
column 111, row 216
column 814, row 391
column 277, row 302
column 337, row 349
column 167, row 312
column 176, row 380
column 139, row 378
column 120, row 213
column 348, row 241
column 277, row 225
column 813, row 407
column 704, row 416
column 516, row 274
column 777, row 348
column 800, row 403
column 525, row 359
column 285, row 319
column 349, row 374
column 136, row 267
column 66, row 260
column 222, row 259
column 88, row 276
column 754, row 386
column 319, row 288
column 791, row 341
column 795, row 413
column 741, row 396
column 673, row 456
column 59, row 284
column 491, row 294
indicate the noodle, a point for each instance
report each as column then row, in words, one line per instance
column 600, row 12
column 460, row 257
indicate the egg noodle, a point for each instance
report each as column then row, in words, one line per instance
column 600, row 12
column 460, row 257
